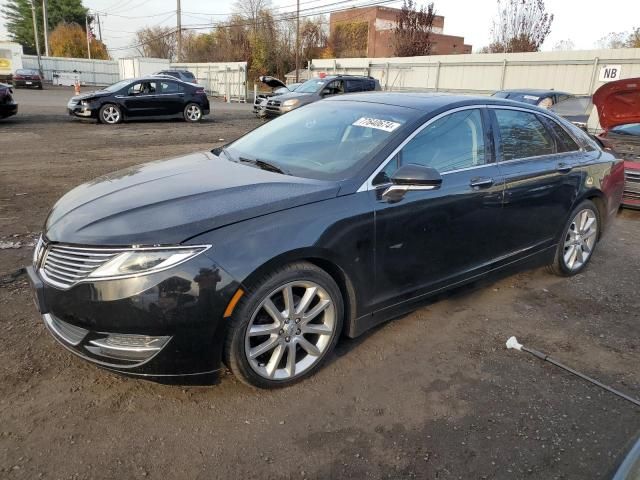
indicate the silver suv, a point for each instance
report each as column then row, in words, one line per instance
column 318, row 88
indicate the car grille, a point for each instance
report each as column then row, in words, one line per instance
column 632, row 184
column 64, row 266
column 273, row 103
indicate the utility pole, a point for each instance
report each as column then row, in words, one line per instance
column 35, row 34
column 45, row 21
column 99, row 26
column 179, row 26
column 86, row 26
column 297, row 39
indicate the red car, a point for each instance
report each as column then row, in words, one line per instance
column 27, row 77
column 618, row 105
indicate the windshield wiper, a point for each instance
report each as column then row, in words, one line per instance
column 264, row 165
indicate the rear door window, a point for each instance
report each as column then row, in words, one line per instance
column 564, row 142
column 171, row 87
column 354, row 85
column 522, row 135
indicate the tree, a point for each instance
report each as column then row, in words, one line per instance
column 564, row 45
column 620, row 39
column 19, row 23
column 521, row 26
column 349, row 39
column 156, row 42
column 313, row 38
column 413, row 30
column 70, row 40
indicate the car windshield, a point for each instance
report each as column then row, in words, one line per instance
column 628, row 129
column 117, row 86
column 324, row 140
column 311, row 86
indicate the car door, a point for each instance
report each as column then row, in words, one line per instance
column 432, row 238
column 141, row 99
column 542, row 177
column 171, row 97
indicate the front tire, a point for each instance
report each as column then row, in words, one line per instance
column 192, row 113
column 284, row 327
column 578, row 240
column 110, row 114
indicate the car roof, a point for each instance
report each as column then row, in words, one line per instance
column 428, row 102
column 534, row 91
column 154, row 78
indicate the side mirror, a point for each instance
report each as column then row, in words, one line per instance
column 325, row 91
column 412, row 177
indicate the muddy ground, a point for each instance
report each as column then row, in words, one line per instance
column 432, row 395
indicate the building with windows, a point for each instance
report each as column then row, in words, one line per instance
column 377, row 24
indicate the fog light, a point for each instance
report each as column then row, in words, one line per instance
column 127, row 347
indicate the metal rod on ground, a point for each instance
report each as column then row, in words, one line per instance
column 513, row 343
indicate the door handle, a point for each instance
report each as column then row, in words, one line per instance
column 564, row 167
column 481, row 182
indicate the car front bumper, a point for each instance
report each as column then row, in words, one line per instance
column 168, row 324
column 83, row 111
column 631, row 194
column 8, row 109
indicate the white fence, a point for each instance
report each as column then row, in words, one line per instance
column 577, row 72
column 134, row 67
column 228, row 79
column 92, row 72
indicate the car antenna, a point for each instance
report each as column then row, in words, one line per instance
column 512, row 343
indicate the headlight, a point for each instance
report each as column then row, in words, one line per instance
column 84, row 103
column 291, row 103
column 145, row 261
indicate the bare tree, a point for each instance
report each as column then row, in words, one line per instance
column 620, row 40
column 251, row 10
column 156, row 42
column 412, row 33
column 521, row 26
column 564, row 45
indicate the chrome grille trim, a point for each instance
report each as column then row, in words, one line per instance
column 64, row 266
column 71, row 334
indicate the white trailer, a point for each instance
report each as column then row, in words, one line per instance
column 10, row 59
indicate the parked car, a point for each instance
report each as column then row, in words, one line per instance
column 318, row 88
column 576, row 109
column 184, row 75
column 618, row 105
column 142, row 98
column 27, row 77
column 278, row 87
column 8, row 106
column 541, row 98
column 326, row 221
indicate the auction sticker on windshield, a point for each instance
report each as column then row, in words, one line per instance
column 386, row 125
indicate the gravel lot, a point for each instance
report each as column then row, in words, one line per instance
column 431, row 395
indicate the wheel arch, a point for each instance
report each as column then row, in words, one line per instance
column 323, row 260
column 598, row 198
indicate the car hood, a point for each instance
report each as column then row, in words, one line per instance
column 94, row 94
column 170, row 201
column 272, row 82
column 618, row 103
column 287, row 96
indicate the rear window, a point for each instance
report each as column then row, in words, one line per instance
column 24, row 71
column 189, row 75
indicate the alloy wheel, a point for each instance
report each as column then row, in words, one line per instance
column 193, row 113
column 111, row 115
column 290, row 330
column 580, row 239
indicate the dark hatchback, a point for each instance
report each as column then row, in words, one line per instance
column 150, row 97
column 325, row 222
column 8, row 106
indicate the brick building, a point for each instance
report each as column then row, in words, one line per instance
column 381, row 22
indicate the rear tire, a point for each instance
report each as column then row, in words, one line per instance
column 284, row 327
column 578, row 241
column 110, row 114
column 192, row 113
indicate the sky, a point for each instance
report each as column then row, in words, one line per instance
column 583, row 22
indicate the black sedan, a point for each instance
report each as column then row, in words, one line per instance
column 28, row 78
column 325, row 222
column 150, row 97
column 8, row 106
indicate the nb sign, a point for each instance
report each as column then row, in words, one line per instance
column 609, row 73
